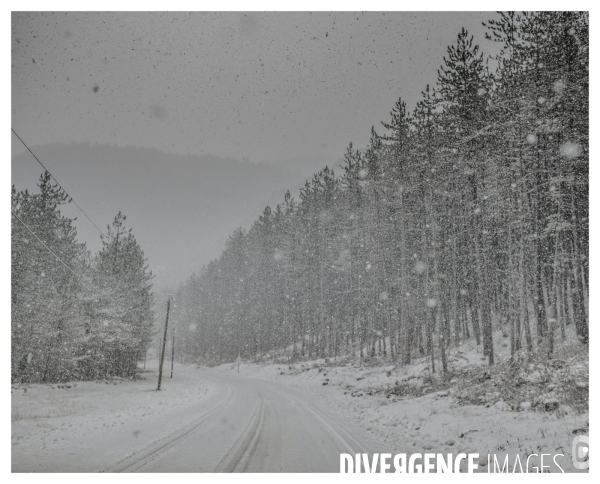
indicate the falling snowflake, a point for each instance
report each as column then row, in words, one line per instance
column 569, row 150
column 419, row 268
column 558, row 86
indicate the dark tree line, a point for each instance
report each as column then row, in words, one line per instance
column 90, row 319
column 466, row 216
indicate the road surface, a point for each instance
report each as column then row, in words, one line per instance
column 252, row 426
column 240, row 425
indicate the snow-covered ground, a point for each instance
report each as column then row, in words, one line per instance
column 298, row 417
column 89, row 425
column 203, row 421
column 437, row 421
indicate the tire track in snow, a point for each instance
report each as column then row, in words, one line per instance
column 150, row 453
column 239, row 456
column 337, row 435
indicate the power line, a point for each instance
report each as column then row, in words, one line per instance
column 45, row 246
column 48, row 171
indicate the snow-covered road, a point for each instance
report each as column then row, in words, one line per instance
column 268, row 417
column 252, row 426
column 237, row 424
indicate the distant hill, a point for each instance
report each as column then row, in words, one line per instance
column 181, row 208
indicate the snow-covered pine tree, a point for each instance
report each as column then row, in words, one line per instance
column 128, row 308
column 45, row 310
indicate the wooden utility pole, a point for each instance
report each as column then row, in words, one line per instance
column 172, row 353
column 162, row 354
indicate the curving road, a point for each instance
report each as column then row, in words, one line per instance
column 252, row 426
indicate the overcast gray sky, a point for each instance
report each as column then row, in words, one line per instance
column 288, row 89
